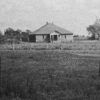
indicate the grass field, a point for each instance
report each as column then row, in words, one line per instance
column 77, row 47
column 48, row 75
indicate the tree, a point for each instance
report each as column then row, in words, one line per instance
column 9, row 33
column 1, row 37
column 28, row 31
column 91, row 29
column 94, row 29
column 18, row 34
column 12, row 36
column 25, row 36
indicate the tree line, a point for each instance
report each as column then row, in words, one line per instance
column 14, row 36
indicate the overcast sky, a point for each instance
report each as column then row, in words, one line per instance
column 73, row 15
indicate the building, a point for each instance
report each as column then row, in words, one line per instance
column 51, row 33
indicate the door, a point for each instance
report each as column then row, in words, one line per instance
column 54, row 38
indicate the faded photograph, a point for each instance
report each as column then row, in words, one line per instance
column 49, row 49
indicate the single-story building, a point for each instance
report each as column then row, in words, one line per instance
column 51, row 33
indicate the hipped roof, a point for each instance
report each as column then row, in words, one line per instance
column 49, row 28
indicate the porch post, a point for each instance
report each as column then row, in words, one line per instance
column 51, row 38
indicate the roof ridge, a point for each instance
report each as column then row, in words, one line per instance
column 50, row 27
column 61, row 28
column 40, row 28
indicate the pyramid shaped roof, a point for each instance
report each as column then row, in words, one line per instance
column 49, row 28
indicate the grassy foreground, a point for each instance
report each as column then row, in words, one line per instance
column 77, row 47
column 48, row 75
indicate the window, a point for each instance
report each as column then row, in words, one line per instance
column 55, row 37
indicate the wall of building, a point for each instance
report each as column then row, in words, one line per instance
column 66, row 38
column 61, row 38
column 41, row 38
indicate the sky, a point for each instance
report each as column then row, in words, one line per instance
column 73, row 15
